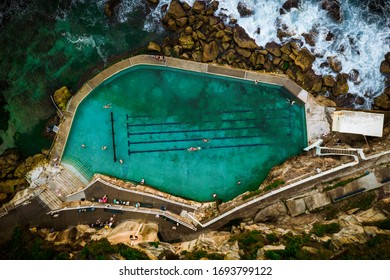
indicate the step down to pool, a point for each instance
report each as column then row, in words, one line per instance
column 49, row 198
column 65, row 184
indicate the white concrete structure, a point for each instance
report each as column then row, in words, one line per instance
column 368, row 124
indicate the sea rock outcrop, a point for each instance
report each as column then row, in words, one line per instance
column 333, row 9
column 154, row 47
column 61, row 97
column 109, row 7
column 244, row 10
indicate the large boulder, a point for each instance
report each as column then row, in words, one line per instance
column 186, row 41
column 274, row 49
column 385, row 67
column 341, row 86
column 382, row 101
column 199, row 6
column 244, row 10
column 328, row 80
column 335, row 64
column 289, row 4
column 109, row 7
column 333, row 9
column 210, row 51
column 61, row 97
column 304, row 59
column 242, row 39
column 154, row 47
column 176, row 10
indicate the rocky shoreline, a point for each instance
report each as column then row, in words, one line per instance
column 200, row 35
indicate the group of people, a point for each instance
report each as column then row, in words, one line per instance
column 107, row 224
column 104, row 199
column 159, row 58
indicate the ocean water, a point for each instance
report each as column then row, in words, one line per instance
column 44, row 45
column 47, row 44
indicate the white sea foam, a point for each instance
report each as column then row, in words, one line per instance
column 361, row 39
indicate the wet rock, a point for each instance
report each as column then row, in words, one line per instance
column 354, row 76
column 176, row 10
column 387, row 57
column 61, row 97
column 382, row 101
column 289, row 4
column 9, row 161
column 199, row 6
column 312, row 81
column 341, row 86
column 154, row 47
column 385, row 67
column 330, row 36
column 210, row 52
column 274, row 49
column 244, row 10
column 286, row 49
column 154, row 2
column 333, row 8
column 335, row 64
column 304, row 60
column 109, row 7
column 242, row 39
column 214, row 20
column 310, row 39
column 328, row 80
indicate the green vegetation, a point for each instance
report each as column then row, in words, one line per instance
column 344, row 182
column 322, row 229
column 103, row 250
column 384, row 224
column 271, row 186
column 363, row 201
column 199, row 254
column 378, row 248
column 249, row 242
column 294, row 249
column 154, row 244
column 24, row 245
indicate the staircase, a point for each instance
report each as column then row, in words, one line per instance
column 323, row 151
column 49, row 198
column 65, row 184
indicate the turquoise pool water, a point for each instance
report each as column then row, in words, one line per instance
column 243, row 129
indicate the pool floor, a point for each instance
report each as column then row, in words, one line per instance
column 239, row 130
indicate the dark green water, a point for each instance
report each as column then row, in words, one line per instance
column 160, row 112
column 47, row 44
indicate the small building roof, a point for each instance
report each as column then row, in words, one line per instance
column 368, row 124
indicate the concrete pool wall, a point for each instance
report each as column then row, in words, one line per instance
column 80, row 171
column 62, row 136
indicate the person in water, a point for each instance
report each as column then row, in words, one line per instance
column 107, row 106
